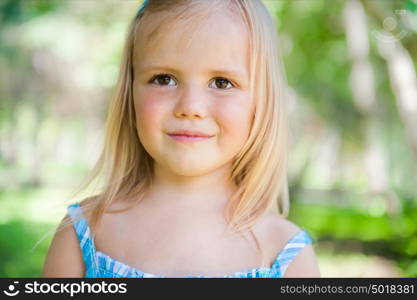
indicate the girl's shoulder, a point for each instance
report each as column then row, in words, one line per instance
column 275, row 230
column 276, row 234
column 64, row 257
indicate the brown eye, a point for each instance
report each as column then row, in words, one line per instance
column 162, row 79
column 223, row 83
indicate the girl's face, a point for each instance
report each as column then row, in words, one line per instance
column 201, row 87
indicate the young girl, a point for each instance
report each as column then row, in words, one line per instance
column 194, row 160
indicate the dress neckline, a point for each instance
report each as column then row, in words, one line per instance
column 147, row 274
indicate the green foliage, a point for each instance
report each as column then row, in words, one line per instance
column 318, row 64
column 18, row 11
column 411, row 6
column 19, row 258
column 392, row 236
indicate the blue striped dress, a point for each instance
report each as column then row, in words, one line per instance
column 101, row 265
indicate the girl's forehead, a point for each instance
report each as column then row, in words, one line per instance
column 188, row 19
column 220, row 37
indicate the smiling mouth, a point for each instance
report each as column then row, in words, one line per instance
column 188, row 138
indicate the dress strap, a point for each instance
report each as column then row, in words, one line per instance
column 84, row 235
column 290, row 251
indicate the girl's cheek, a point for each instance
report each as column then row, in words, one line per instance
column 148, row 112
column 234, row 116
column 149, row 116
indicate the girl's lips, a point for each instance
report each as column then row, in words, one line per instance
column 186, row 138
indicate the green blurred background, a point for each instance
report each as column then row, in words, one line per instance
column 351, row 68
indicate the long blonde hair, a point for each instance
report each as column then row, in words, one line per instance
column 125, row 169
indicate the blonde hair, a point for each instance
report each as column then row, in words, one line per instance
column 258, row 170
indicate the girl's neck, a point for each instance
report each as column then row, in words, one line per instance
column 206, row 192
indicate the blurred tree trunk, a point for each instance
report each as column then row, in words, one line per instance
column 403, row 80
column 363, row 92
column 395, row 50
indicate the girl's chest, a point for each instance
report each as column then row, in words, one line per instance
column 174, row 248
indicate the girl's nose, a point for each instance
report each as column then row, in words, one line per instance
column 191, row 103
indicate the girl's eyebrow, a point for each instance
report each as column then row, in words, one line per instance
column 233, row 73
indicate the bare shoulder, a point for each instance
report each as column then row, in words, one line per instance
column 64, row 257
column 275, row 231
